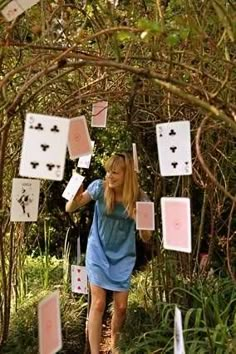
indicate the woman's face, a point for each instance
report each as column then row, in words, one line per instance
column 115, row 177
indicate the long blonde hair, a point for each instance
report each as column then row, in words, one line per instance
column 130, row 187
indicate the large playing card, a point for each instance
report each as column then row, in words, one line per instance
column 79, row 280
column 50, row 340
column 84, row 161
column 12, row 11
column 73, row 186
column 79, row 143
column 145, row 216
column 99, row 114
column 135, row 157
column 178, row 333
column 24, row 199
column 176, row 224
column 44, row 147
column 26, row 4
column 174, row 148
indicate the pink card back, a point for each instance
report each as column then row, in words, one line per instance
column 145, row 216
column 79, row 143
column 49, row 324
column 176, row 224
column 99, row 114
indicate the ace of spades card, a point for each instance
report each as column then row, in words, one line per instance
column 24, row 199
column 178, row 333
column 44, row 147
column 176, row 224
column 174, row 148
column 79, row 281
column 12, row 10
column 49, row 324
column 72, row 187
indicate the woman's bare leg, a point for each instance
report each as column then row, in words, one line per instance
column 98, row 303
column 118, row 317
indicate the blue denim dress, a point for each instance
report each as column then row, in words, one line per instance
column 111, row 248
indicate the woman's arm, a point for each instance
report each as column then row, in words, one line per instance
column 81, row 198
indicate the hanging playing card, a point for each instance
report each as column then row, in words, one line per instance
column 79, row 281
column 84, row 161
column 24, row 199
column 174, row 148
column 178, row 333
column 72, row 187
column 99, row 114
column 50, row 340
column 44, row 147
column 176, row 224
column 79, row 143
column 145, row 219
column 12, row 11
column 26, row 4
column 135, row 157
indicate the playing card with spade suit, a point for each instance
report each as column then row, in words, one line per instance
column 174, row 148
column 44, row 147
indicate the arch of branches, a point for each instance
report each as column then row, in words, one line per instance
column 154, row 61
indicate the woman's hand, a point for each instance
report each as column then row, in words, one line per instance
column 145, row 235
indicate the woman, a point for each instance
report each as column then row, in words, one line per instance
column 111, row 253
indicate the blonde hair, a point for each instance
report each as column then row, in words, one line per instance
column 130, row 188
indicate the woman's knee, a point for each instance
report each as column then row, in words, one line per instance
column 120, row 308
column 98, row 304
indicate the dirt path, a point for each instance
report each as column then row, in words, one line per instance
column 106, row 336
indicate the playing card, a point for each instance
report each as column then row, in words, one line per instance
column 72, row 187
column 78, row 251
column 44, row 147
column 84, row 161
column 50, row 340
column 135, row 158
column 99, row 114
column 26, row 4
column 24, row 199
column 174, row 148
column 176, row 223
column 178, row 333
column 79, row 282
column 145, row 216
column 79, row 143
column 12, row 11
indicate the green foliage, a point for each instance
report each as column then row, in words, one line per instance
column 208, row 311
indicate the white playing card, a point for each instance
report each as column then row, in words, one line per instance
column 44, row 147
column 78, row 251
column 135, row 157
column 174, row 148
column 26, row 4
column 176, row 224
column 12, row 11
column 49, row 320
column 84, row 161
column 99, row 114
column 79, row 280
column 145, row 219
column 25, row 199
column 72, row 187
column 178, row 333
